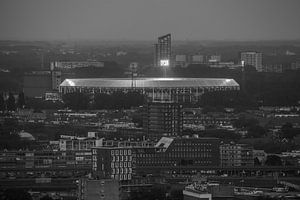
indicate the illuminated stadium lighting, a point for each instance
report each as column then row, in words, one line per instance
column 157, row 89
column 164, row 63
column 143, row 83
column 243, row 63
column 70, row 82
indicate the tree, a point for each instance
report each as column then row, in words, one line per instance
column 243, row 122
column 21, row 100
column 10, row 125
column 2, row 102
column 102, row 101
column 287, row 131
column 16, row 194
column 118, row 100
column 76, row 100
column 257, row 162
column 273, row 160
column 11, row 102
column 46, row 198
column 256, row 131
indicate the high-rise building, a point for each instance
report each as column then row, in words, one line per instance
column 162, row 54
column 162, row 119
column 56, row 79
column 252, row 58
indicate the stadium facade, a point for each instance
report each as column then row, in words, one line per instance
column 156, row 89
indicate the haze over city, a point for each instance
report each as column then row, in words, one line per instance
column 144, row 19
column 149, row 99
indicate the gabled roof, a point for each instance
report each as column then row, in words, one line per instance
column 164, row 142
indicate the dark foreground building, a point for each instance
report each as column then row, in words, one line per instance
column 125, row 163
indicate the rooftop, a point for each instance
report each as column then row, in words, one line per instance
column 149, row 82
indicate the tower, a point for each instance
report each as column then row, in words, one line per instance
column 162, row 119
column 162, row 54
column 252, row 58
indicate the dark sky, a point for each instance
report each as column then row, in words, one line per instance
column 147, row 19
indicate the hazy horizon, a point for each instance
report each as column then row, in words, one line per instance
column 145, row 20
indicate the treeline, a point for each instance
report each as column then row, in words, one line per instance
column 9, row 139
column 10, row 103
column 116, row 100
column 269, row 89
column 233, row 99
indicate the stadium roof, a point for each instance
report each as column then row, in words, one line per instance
column 149, row 82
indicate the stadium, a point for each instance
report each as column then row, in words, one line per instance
column 157, row 89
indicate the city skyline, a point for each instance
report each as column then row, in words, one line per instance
column 146, row 20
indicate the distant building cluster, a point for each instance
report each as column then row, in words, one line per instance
column 75, row 64
column 213, row 61
column 273, row 68
column 123, row 160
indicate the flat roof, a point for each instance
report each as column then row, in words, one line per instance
column 150, row 82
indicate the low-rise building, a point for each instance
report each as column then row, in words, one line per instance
column 45, row 159
column 168, row 154
column 68, row 144
column 104, row 189
column 235, row 155
column 112, row 162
